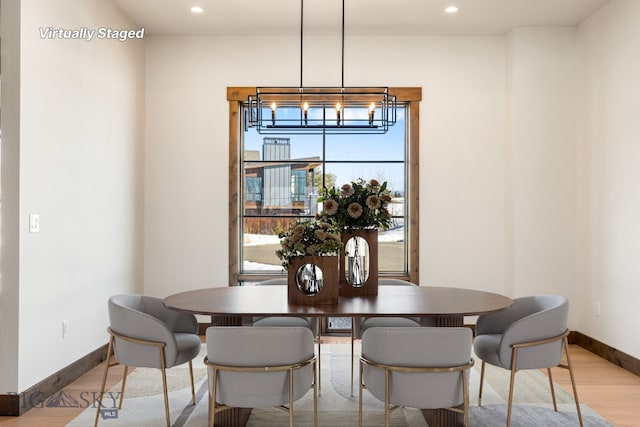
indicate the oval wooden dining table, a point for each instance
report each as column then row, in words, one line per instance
column 447, row 305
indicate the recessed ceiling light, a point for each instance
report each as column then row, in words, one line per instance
column 451, row 9
column 197, row 9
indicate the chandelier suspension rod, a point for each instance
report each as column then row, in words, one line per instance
column 302, row 45
column 301, row 39
column 342, row 84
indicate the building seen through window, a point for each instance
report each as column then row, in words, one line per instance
column 282, row 176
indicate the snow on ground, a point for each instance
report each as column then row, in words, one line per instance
column 392, row 235
column 251, row 266
column 260, row 239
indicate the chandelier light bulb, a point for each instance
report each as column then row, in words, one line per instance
column 305, row 107
column 273, row 113
column 372, row 109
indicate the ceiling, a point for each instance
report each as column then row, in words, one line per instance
column 402, row 17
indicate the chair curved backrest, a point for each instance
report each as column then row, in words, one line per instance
column 314, row 323
column 360, row 324
column 238, row 348
column 358, row 321
column 529, row 319
column 425, row 368
column 146, row 318
column 427, row 347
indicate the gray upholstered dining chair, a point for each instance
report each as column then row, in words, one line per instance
column 313, row 323
column 361, row 324
column 531, row 334
column 425, row 368
column 145, row 333
column 250, row 367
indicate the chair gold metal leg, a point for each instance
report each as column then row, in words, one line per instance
column 193, row 387
column 352, row 351
column 514, row 364
column 213, row 397
column 319, row 365
column 315, row 400
column 465, row 394
column 124, row 384
column 481, row 382
column 386, row 397
column 553, row 393
column 104, row 380
column 166, row 397
column 360, row 389
column 511, row 386
column 291, row 397
column 164, row 387
column 573, row 380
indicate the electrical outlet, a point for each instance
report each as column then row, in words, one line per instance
column 65, row 328
column 597, row 308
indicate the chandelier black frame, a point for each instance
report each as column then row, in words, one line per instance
column 321, row 110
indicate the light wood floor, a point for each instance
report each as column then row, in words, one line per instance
column 611, row 391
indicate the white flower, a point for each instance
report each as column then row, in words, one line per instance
column 346, row 190
column 330, row 206
column 354, row 210
column 373, row 202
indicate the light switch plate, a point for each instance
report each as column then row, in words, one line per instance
column 34, row 223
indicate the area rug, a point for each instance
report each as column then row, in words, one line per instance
column 144, row 405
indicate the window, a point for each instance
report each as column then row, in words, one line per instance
column 253, row 191
column 299, row 185
column 276, row 179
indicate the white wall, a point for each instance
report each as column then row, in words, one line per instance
column 541, row 178
column 81, row 169
column 462, row 145
column 462, row 162
column 609, row 175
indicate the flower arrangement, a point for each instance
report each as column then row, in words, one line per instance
column 360, row 204
column 307, row 238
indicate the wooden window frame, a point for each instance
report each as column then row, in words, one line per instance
column 408, row 95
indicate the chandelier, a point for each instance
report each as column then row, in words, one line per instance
column 321, row 110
